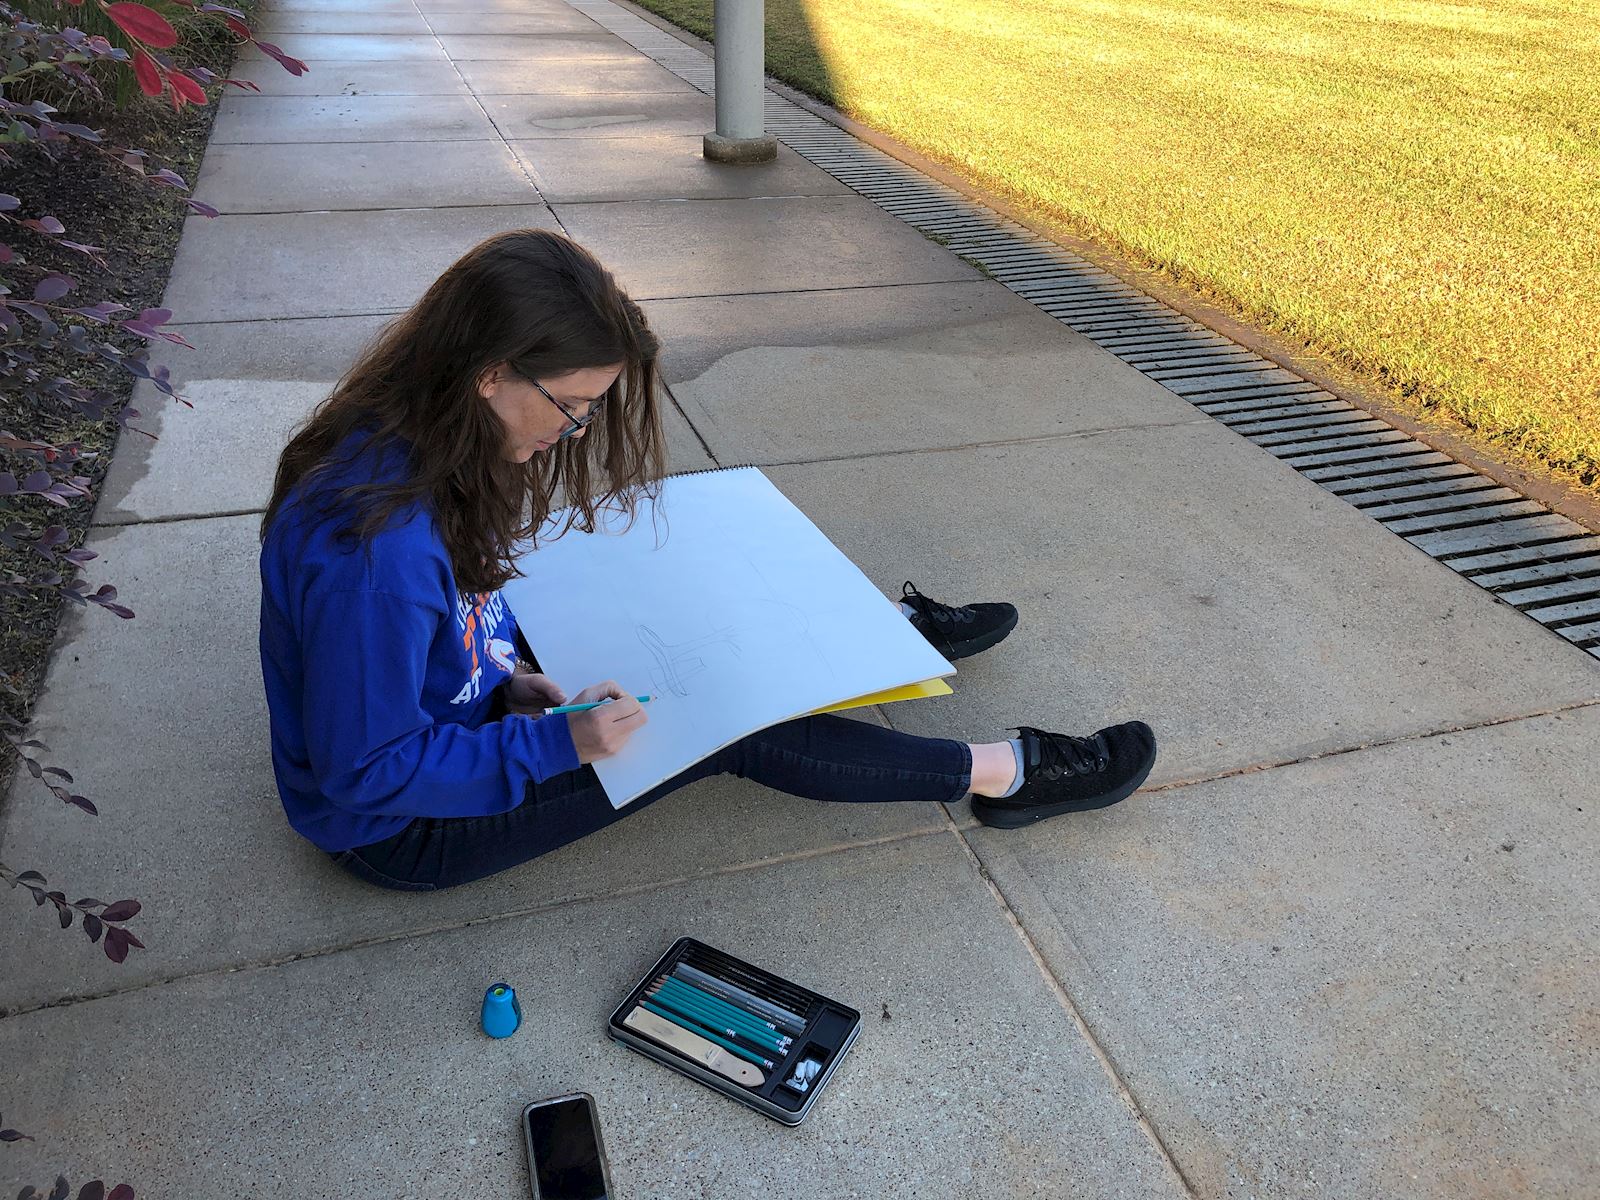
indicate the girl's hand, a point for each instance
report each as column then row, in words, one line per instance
column 601, row 732
column 529, row 694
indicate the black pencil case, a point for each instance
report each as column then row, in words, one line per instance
column 819, row 1038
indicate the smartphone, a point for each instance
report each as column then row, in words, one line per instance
column 566, row 1160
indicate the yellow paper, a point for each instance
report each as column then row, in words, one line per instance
column 911, row 691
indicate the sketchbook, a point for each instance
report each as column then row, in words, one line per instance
column 727, row 605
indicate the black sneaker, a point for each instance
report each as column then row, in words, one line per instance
column 959, row 632
column 1072, row 774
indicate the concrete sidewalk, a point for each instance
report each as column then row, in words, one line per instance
column 1343, row 944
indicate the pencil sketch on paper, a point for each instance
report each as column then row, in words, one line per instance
column 678, row 662
column 763, row 623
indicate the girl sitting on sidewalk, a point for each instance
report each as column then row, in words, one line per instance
column 526, row 373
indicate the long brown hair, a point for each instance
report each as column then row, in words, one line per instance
column 541, row 304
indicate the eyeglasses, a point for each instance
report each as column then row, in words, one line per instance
column 577, row 421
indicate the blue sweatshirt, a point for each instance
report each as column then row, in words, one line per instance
column 379, row 675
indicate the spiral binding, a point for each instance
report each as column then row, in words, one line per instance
column 711, row 471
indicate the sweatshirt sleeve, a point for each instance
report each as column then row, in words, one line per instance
column 375, row 750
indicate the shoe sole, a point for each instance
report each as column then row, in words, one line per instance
column 1015, row 818
column 993, row 638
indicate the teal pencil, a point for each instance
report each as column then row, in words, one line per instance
column 566, row 708
column 721, row 1021
column 728, row 1012
column 710, row 1021
column 747, row 1055
column 787, row 1021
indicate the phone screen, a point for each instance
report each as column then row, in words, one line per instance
column 565, row 1149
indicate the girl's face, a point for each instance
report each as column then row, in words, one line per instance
column 533, row 422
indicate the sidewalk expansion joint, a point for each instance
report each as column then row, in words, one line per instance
column 1339, row 752
column 1031, row 440
column 689, row 421
column 597, row 201
column 176, row 518
column 803, row 291
column 365, row 142
column 534, row 201
column 344, row 316
column 1064, row 998
column 572, row 900
column 543, row 200
column 524, row 168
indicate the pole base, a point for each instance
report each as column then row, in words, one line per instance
column 740, row 150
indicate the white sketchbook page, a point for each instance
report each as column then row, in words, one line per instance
column 744, row 615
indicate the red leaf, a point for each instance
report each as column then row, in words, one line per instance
column 237, row 26
column 142, row 23
column 122, row 910
column 147, row 73
column 292, row 65
column 188, row 88
column 121, row 1192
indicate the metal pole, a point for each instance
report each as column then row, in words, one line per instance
column 740, row 31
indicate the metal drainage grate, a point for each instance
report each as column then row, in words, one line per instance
column 1539, row 562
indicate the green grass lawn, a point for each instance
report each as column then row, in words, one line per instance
column 1412, row 188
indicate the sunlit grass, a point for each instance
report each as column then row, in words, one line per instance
column 1411, row 188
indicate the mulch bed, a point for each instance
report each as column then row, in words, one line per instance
column 102, row 204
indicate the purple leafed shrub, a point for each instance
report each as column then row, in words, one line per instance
column 45, row 326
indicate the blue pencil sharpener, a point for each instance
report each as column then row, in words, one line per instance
column 501, row 1012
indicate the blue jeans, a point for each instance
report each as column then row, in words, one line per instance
column 822, row 758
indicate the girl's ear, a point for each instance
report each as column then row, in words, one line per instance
column 489, row 379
